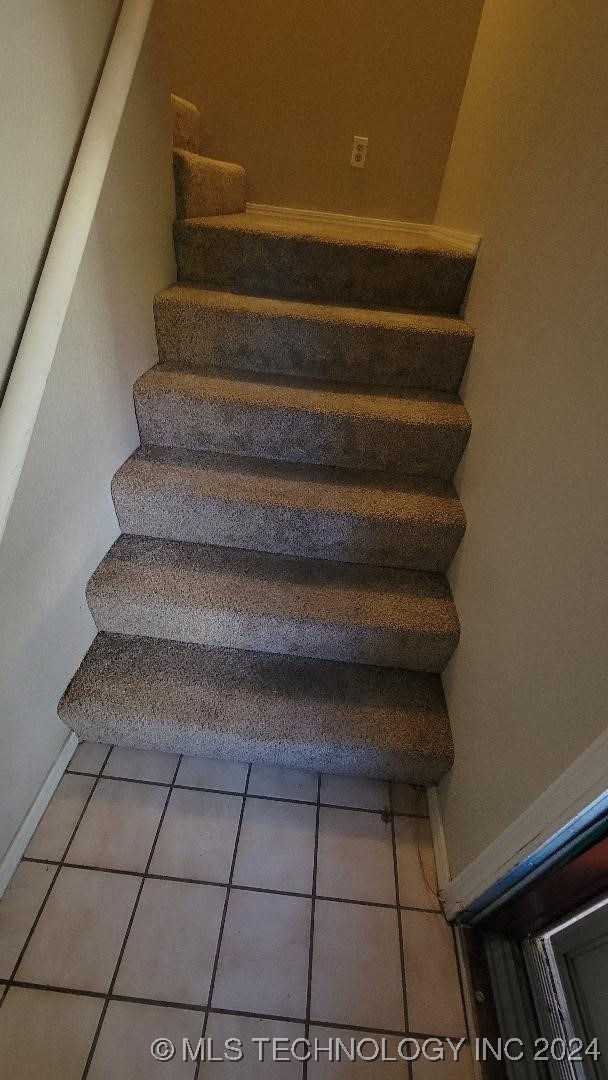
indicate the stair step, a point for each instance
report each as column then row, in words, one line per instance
column 301, row 420
column 206, row 186
column 288, row 337
column 276, row 710
column 274, row 603
column 314, row 512
column 186, row 124
column 260, row 254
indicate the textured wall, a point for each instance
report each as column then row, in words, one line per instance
column 63, row 519
column 285, row 87
column 528, row 686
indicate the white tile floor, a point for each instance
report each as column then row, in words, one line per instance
column 180, row 897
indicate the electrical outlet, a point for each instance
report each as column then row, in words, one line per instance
column 359, row 154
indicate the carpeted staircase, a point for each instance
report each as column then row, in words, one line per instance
column 278, row 593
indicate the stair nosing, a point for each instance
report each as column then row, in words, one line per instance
column 392, row 677
column 301, row 476
column 306, row 395
column 337, row 234
column 439, row 611
column 314, row 310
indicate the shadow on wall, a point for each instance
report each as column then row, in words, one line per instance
column 63, row 520
column 52, row 56
column 528, row 686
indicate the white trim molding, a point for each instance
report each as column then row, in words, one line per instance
column 24, row 834
column 455, row 238
column 45, row 320
column 577, row 796
column 440, row 848
column 443, row 880
column 411, row 229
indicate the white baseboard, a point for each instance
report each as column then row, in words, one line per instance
column 12, row 858
column 455, row 238
column 580, row 792
column 443, row 880
column 442, row 862
column 452, row 237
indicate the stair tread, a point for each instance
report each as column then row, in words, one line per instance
column 360, row 493
column 208, row 327
column 332, row 232
column 208, row 576
column 284, row 710
column 199, row 296
column 305, row 395
column 322, row 261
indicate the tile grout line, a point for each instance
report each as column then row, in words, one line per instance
column 218, row 947
column 409, row 1068
column 312, row 923
column 234, row 887
column 250, row 794
column 108, row 994
column 185, row 1006
column 337, row 1024
column 59, row 865
column 207, row 1009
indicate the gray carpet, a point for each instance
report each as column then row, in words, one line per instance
column 278, row 594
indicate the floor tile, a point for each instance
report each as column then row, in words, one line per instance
column 119, row 826
column 416, row 863
column 60, row 817
column 128, row 1031
column 48, row 1035
column 89, row 757
column 204, row 772
column 276, row 846
column 246, row 1029
column 356, row 976
column 355, row 791
column 197, row 836
column 355, row 856
column 172, row 943
column 453, row 1064
column 283, row 783
column 78, row 938
column 18, row 909
column 408, row 799
column 352, row 1056
column 263, row 964
column 431, row 975
column 141, row 765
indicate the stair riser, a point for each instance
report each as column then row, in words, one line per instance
column 203, row 186
column 312, row 347
column 257, row 707
column 159, row 733
column 178, row 420
column 167, row 514
column 150, row 616
column 186, row 124
column 302, row 268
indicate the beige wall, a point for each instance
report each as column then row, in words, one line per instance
column 63, row 520
column 285, row 87
column 528, row 687
column 50, row 58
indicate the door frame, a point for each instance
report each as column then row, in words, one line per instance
column 540, row 837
